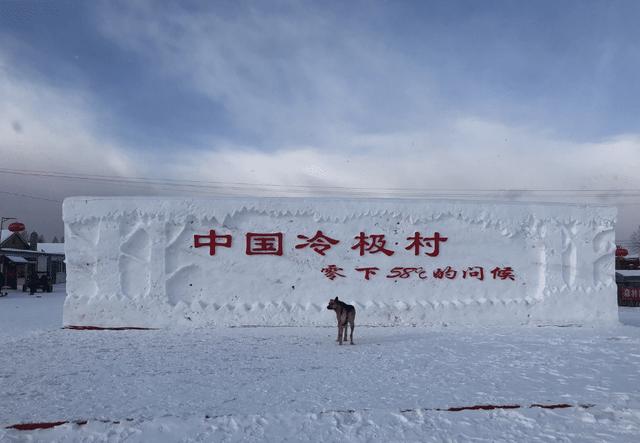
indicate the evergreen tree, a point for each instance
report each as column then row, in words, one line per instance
column 33, row 240
column 55, row 240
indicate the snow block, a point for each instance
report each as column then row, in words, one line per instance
column 147, row 262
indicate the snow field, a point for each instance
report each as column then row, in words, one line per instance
column 530, row 425
column 288, row 384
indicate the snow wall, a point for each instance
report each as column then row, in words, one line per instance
column 162, row 262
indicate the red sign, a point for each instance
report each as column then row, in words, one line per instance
column 629, row 294
column 403, row 272
column 272, row 243
column 16, row 227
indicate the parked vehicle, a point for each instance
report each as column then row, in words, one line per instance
column 33, row 283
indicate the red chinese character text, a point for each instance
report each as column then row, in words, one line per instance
column 419, row 241
column 319, row 242
column 447, row 272
column 503, row 273
column 213, row 241
column 368, row 272
column 474, row 272
column 264, row 244
column 371, row 244
column 332, row 271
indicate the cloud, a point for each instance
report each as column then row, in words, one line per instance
column 44, row 127
column 308, row 74
column 49, row 128
column 287, row 74
column 328, row 102
column 276, row 76
column 472, row 154
column 317, row 106
column 277, row 79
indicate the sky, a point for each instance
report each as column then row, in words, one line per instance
column 505, row 99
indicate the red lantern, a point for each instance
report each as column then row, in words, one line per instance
column 621, row 252
column 16, row 227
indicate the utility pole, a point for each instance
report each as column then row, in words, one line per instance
column 2, row 220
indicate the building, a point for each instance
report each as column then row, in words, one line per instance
column 628, row 281
column 55, row 264
column 19, row 259
column 628, row 262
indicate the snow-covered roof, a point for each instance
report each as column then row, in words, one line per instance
column 16, row 259
column 5, row 234
column 29, row 252
column 17, row 250
column 628, row 272
column 51, row 248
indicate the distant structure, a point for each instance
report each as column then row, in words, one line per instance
column 20, row 258
column 33, row 241
column 627, row 277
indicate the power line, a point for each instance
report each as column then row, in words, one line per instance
column 17, row 194
column 203, row 183
column 208, row 187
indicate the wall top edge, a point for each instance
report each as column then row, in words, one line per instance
column 381, row 200
column 85, row 207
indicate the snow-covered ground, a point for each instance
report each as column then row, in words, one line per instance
column 22, row 314
column 297, row 384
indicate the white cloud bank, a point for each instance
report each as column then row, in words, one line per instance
column 44, row 127
column 333, row 105
column 349, row 117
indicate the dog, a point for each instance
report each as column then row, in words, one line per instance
column 346, row 315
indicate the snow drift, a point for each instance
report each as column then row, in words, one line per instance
column 148, row 262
